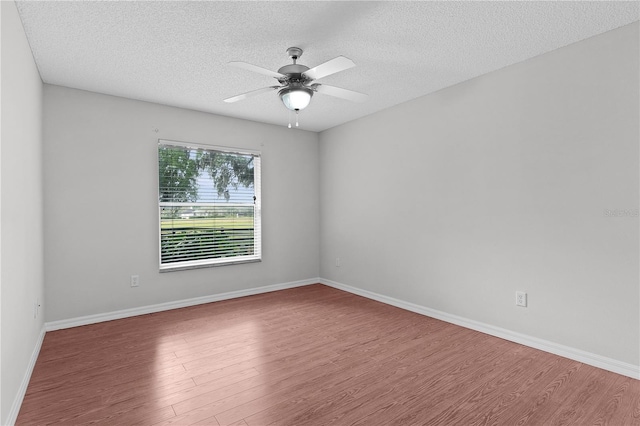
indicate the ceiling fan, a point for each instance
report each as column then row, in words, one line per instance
column 298, row 82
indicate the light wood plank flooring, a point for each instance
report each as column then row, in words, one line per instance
column 311, row 356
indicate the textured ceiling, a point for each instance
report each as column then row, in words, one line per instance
column 176, row 53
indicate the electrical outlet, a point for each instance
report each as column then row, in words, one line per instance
column 521, row 298
column 337, row 262
column 135, row 280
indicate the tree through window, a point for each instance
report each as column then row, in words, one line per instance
column 209, row 201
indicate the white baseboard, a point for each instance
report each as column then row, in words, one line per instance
column 17, row 402
column 594, row 360
column 125, row 313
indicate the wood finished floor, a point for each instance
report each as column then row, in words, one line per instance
column 311, row 356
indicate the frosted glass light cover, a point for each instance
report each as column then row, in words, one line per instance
column 296, row 99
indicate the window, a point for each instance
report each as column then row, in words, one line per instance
column 209, row 202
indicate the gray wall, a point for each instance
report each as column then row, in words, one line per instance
column 455, row 200
column 101, row 223
column 21, row 250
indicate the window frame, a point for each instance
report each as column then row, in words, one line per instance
column 257, row 216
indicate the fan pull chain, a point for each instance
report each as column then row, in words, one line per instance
column 289, row 126
column 296, row 118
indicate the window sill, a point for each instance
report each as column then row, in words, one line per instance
column 183, row 267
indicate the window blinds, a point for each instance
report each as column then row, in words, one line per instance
column 209, row 202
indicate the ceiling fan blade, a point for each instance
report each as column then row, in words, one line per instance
column 255, row 68
column 338, row 92
column 330, row 67
column 250, row 94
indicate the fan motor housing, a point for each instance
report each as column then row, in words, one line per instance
column 293, row 71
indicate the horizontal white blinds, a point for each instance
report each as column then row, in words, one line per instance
column 209, row 206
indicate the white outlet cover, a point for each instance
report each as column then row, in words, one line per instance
column 521, row 298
